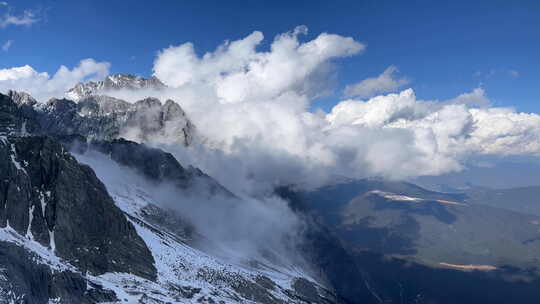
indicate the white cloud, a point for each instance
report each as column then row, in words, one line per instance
column 27, row 18
column 3, row 3
column 42, row 86
column 19, row 73
column 448, row 132
column 256, row 129
column 238, row 72
column 252, row 109
column 384, row 83
column 476, row 98
column 7, row 45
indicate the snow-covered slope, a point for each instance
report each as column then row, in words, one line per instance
column 188, row 275
column 159, row 262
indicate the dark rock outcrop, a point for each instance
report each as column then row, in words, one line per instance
column 47, row 196
column 156, row 165
column 22, row 280
column 17, row 114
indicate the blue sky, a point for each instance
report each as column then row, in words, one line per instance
column 445, row 49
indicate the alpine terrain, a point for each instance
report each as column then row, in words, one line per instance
column 92, row 212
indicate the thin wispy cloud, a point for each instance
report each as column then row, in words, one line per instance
column 491, row 73
column 7, row 45
column 27, row 18
column 513, row 73
column 384, row 83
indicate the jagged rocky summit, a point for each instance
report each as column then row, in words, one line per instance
column 112, row 83
column 96, row 117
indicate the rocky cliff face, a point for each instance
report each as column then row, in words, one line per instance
column 50, row 202
column 154, row 164
column 17, row 114
column 97, row 117
column 24, row 280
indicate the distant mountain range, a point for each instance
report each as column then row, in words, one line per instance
column 409, row 242
column 428, row 227
column 521, row 199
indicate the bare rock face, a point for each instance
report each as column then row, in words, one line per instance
column 22, row 98
column 140, row 121
column 106, row 118
column 156, row 165
column 96, row 117
column 17, row 114
column 48, row 197
column 22, row 280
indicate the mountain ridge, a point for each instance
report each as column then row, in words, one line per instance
column 112, row 83
column 100, row 117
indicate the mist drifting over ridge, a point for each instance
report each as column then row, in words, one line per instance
column 240, row 229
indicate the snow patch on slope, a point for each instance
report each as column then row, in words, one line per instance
column 403, row 198
column 182, row 270
column 43, row 255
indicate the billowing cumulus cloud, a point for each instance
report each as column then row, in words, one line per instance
column 386, row 82
column 256, row 127
column 237, row 72
column 42, row 86
column 252, row 112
